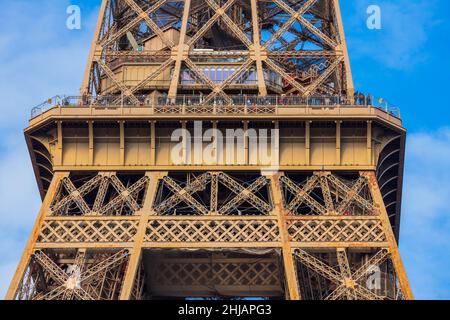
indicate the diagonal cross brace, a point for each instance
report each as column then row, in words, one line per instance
column 197, row 185
column 58, row 275
column 230, row 23
column 302, row 195
column 349, row 285
column 132, row 23
column 318, row 266
column 76, row 195
column 294, row 15
column 244, row 194
column 151, row 24
column 351, row 194
column 186, row 196
column 124, row 194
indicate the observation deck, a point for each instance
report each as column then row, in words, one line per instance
column 74, row 133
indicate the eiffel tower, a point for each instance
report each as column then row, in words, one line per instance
column 123, row 218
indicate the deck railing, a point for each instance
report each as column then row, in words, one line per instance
column 197, row 103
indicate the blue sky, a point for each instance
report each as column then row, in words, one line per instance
column 406, row 62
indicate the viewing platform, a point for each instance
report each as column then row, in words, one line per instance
column 187, row 107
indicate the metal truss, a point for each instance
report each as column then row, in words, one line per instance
column 336, row 230
column 208, row 211
column 217, row 274
column 327, row 194
column 184, row 194
column 88, row 231
column 222, row 230
column 137, row 293
column 244, row 194
column 234, row 58
column 226, row 200
column 208, row 29
column 100, row 195
column 348, row 283
column 88, row 276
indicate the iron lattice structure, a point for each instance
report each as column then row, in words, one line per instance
column 121, row 220
column 270, row 47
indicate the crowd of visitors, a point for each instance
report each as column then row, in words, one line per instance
column 363, row 100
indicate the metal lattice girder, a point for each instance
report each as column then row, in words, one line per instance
column 137, row 292
column 246, row 272
column 294, row 15
column 198, row 73
column 346, row 273
column 359, row 292
column 102, row 182
column 61, row 278
column 306, row 23
column 275, row 67
column 88, row 231
column 331, row 188
column 379, row 258
column 109, row 263
column 132, row 24
column 116, row 82
column 230, row 23
column 125, row 195
column 326, row 194
column 51, row 267
column 244, row 194
column 244, row 67
column 336, row 230
column 210, row 22
column 214, row 192
column 74, row 275
column 331, row 68
column 184, row 194
column 27, row 288
column 78, row 283
column 100, row 198
column 76, row 195
column 351, row 194
column 155, row 73
column 218, row 230
column 316, row 22
column 318, row 266
column 150, row 23
column 303, row 195
column 346, row 280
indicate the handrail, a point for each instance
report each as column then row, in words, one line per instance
column 198, row 101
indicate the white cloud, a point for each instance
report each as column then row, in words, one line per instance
column 425, row 240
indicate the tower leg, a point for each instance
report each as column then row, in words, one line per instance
column 94, row 47
column 288, row 260
column 393, row 248
column 45, row 208
column 136, row 251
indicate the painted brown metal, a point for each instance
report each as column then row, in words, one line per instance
column 113, row 196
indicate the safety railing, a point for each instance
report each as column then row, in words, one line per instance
column 191, row 103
